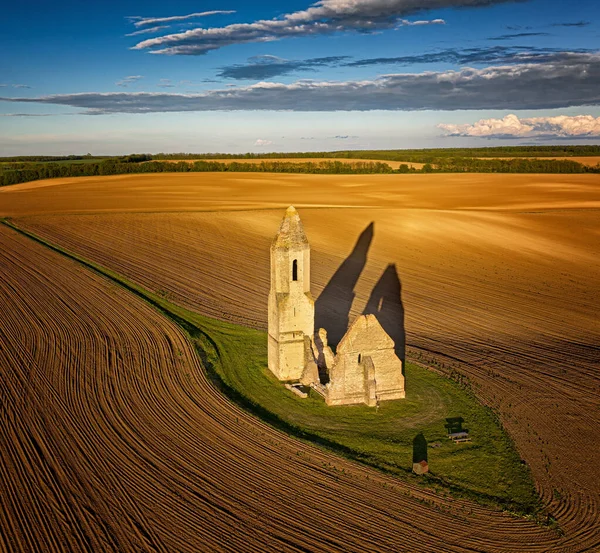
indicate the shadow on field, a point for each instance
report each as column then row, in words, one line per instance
column 332, row 308
column 385, row 303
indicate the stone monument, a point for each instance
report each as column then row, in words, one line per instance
column 364, row 369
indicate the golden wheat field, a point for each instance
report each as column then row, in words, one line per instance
column 113, row 439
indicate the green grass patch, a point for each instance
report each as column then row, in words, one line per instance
column 487, row 469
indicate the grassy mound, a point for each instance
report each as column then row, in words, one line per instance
column 487, row 469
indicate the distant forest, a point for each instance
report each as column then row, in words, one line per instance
column 415, row 156
column 14, row 170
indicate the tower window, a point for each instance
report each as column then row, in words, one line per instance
column 295, row 270
column 359, row 357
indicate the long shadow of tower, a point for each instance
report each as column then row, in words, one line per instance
column 332, row 308
column 385, row 303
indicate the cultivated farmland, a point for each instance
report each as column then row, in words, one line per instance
column 498, row 278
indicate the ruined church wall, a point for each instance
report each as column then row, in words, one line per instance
column 347, row 383
column 365, row 340
column 388, row 375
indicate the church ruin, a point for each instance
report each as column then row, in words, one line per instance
column 363, row 369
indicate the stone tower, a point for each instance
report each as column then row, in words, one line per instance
column 291, row 306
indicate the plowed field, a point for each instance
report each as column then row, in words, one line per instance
column 498, row 276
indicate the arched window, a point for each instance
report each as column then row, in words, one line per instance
column 295, row 270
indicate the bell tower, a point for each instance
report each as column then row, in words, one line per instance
column 291, row 306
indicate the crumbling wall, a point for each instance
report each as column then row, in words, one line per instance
column 311, row 369
column 366, row 368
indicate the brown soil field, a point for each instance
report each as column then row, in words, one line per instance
column 113, row 440
column 498, row 278
column 189, row 192
column 392, row 164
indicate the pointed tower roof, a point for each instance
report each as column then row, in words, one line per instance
column 291, row 232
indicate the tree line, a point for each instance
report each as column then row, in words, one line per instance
column 14, row 173
column 514, row 165
column 25, row 172
column 430, row 155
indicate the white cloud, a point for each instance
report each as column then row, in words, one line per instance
column 511, row 126
column 139, row 21
column 148, row 31
column 261, row 142
column 129, row 80
column 407, row 23
column 4, row 85
column 322, row 17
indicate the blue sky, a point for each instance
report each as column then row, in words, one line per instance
column 236, row 76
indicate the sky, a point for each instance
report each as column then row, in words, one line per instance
column 237, row 76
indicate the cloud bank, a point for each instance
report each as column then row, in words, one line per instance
column 323, row 17
column 575, row 81
column 562, row 126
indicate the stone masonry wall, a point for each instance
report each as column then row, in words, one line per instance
column 366, row 353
